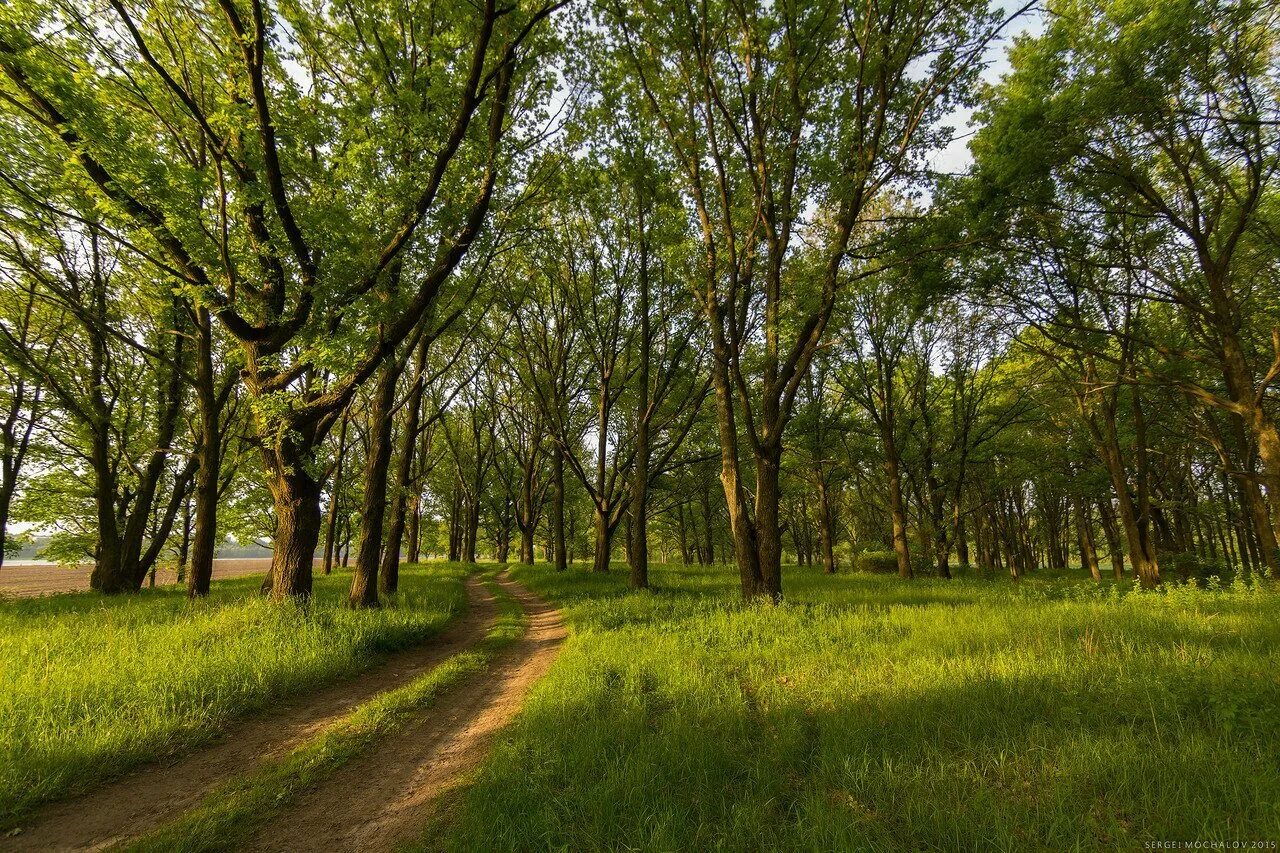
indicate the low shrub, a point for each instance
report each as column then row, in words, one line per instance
column 877, row 562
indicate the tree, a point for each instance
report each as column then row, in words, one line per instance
column 115, row 366
column 769, row 110
column 22, row 401
column 1161, row 119
column 315, row 194
column 883, row 321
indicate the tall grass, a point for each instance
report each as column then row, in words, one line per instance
column 870, row 713
column 90, row 687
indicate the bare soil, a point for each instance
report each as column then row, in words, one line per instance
column 153, row 795
column 24, row 580
column 385, row 797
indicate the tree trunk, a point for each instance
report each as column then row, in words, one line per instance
column 472, row 531
column 389, row 577
column 296, row 498
column 415, row 529
column 826, row 527
column 1148, row 570
column 604, row 542
column 558, row 549
column 527, row 546
column 455, row 525
column 1141, row 550
column 1084, row 536
column 1256, row 504
column 768, row 528
column 1252, row 415
column 7, row 489
column 897, row 508
column 184, row 544
column 962, row 535
column 638, row 547
column 502, row 537
column 109, row 576
column 1112, row 533
column 1269, row 452
column 364, row 582
column 682, row 534
column 638, row 544
column 209, row 449
column 638, row 551
column 331, row 546
column 740, row 522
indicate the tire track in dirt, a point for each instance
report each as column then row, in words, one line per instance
column 150, row 796
column 385, row 797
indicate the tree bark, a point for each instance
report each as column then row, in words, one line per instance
column 1109, row 529
column 471, row 531
column 108, row 576
column 204, row 541
column 415, row 529
column 768, row 528
column 389, row 577
column 826, row 526
column 604, row 541
column 1084, row 537
column 296, row 498
column 897, row 508
column 364, row 582
column 740, row 523
column 331, row 546
column 962, row 535
column 638, row 546
column 558, row 550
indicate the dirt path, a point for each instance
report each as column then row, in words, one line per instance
column 146, row 798
column 26, row 580
column 386, row 796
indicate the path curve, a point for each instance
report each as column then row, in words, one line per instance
column 386, row 796
column 150, row 796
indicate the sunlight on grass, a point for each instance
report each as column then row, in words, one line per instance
column 868, row 713
column 94, row 686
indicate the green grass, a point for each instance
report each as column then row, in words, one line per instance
column 871, row 713
column 231, row 813
column 90, row 687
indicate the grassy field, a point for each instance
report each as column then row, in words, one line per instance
column 869, row 713
column 90, row 687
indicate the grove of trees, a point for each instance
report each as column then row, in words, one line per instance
column 396, row 279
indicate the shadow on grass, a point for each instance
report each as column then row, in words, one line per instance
column 1005, row 764
column 682, row 720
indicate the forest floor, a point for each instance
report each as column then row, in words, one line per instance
column 404, row 732
column 565, row 711
column 872, row 713
column 152, row 795
column 24, row 580
column 93, row 687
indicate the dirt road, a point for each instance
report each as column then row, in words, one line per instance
column 386, row 796
column 153, row 795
